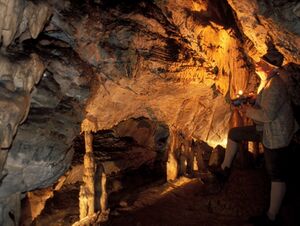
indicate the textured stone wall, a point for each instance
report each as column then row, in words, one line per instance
column 95, row 64
column 276, row 21
column 21, row 19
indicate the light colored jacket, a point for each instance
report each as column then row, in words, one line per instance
column 274, row 112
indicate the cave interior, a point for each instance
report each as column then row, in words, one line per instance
column 112, row 112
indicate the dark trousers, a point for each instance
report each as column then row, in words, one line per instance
column 276, row 161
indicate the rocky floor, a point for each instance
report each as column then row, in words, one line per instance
column 184, row 202
column 191, row 202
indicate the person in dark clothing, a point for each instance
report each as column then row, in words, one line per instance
column 274, row 126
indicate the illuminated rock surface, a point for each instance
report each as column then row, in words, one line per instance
column 99, row 65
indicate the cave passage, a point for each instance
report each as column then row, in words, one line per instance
column 113, row 112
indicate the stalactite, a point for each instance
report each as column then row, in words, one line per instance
column 166, row 60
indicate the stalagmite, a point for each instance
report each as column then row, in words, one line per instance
column 93, row 195
column 172, row 167
column 87, row 190
column 103, row 197
column 172, row 163
column 152, row 75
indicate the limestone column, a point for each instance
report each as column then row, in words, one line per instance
column 172, row 163
column 100, row 189
column 87, row 190
column 103, row 197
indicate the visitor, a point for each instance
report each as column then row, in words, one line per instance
column 274, row 126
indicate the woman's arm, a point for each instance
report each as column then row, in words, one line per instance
column 273, row 97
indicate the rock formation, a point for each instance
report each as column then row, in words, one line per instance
column 72, row 66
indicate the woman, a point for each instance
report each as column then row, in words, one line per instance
column 275, row 127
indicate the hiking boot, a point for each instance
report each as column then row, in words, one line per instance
column 221, row 175
column 262, row 220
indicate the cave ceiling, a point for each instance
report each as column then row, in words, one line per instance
column 72, row 66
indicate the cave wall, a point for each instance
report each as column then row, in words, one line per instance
column 89, row 65
column 275, row 21
column 176, row 63
column 49, row 85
